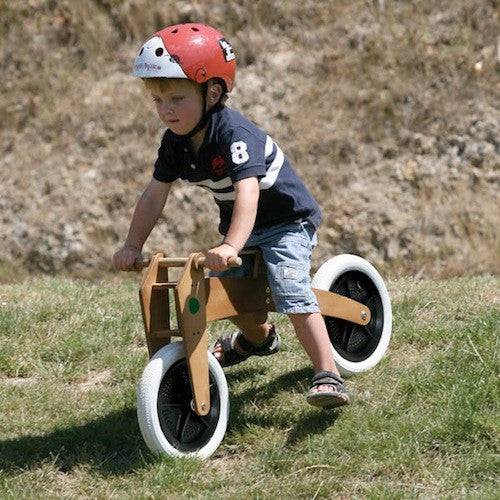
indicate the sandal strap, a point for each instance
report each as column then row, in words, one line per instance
column 326, row 377
column 226, row 343
column 231, row 356
column 250, row 348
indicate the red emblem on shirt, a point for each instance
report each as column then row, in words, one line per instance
column 218, row 165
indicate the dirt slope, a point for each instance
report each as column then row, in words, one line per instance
column 390, row 115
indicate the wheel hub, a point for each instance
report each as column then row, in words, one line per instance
column 181, row 425
column 356, row 342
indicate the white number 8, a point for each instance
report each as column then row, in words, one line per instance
column 239, row 152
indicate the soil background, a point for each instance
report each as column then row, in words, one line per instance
column 389, row 110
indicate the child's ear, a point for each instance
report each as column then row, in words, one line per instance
column 214, row 92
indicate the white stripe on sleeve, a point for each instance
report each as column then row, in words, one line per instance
column 223, row 183
column 268, row 150
column 273, row 170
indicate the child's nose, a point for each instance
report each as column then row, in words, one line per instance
column 165, row 108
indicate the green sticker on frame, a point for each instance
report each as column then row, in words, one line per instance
column 194, row 305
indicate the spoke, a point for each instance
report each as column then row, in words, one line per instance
column 349, row 333
column 356, row 290
column 181, row 424
column 368, row 332
column 341, row 288
column 335, row 331
column 203, row 420
column 188, row 416
column 346, row 335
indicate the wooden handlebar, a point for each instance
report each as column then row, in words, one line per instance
column 231, row 262
column 143, row 262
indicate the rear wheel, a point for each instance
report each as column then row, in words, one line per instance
column 165, row 408
column 356, row 348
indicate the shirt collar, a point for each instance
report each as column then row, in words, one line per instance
column 211, row 127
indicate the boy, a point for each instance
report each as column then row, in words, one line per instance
column 188, row 69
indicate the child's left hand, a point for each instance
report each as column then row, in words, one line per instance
column 217, row 257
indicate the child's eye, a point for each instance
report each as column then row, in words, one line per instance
column 156, row 99
column 177, row 98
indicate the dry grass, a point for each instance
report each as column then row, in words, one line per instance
column 369, row 104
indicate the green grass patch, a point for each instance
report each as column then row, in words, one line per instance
column 424, row 423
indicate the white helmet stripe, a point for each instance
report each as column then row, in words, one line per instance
column 154, row 61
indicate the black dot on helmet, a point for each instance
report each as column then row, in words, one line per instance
column 195, row 29
column 141, row 51
column 174, row 31
column 159, row 51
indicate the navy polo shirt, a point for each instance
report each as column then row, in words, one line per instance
column 233, row 149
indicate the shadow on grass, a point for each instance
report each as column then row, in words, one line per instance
column 246, row 373
column 313, row 422
column 111, row 444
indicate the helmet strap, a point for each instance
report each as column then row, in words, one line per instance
column 206, row 114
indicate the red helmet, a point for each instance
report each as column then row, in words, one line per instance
column 193, row 51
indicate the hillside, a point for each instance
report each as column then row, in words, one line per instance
column 390, row 115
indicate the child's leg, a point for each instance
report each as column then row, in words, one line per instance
column 254, row 327
column 312, row 334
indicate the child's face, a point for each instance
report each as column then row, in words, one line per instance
column 178, row 102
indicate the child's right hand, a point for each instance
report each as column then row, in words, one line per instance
column 124, row 259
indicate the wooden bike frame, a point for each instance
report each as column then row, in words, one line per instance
column 200, row 299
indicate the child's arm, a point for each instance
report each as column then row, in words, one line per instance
column 242, row 222
column 244, row 212
column 147, row 211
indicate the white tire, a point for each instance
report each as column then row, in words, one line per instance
column 356, row 348
column 167, row 421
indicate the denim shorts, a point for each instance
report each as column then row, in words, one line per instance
column 286, row 249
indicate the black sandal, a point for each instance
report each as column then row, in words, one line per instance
column 328, row 399
column 231, row 356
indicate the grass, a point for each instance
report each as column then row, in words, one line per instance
column 423, row 423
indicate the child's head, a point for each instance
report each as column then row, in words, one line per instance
column 180, row 102
column 187, row 58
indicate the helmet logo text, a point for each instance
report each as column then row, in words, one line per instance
column 227, row 50
column 146, row 66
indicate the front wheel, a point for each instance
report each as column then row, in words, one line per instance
column 165, row 411
column 356, row 348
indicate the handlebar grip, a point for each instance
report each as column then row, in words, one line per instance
column 141, row 263
column 234, row 262
column 231, row 262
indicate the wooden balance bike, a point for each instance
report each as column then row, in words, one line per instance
column 183, row 397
